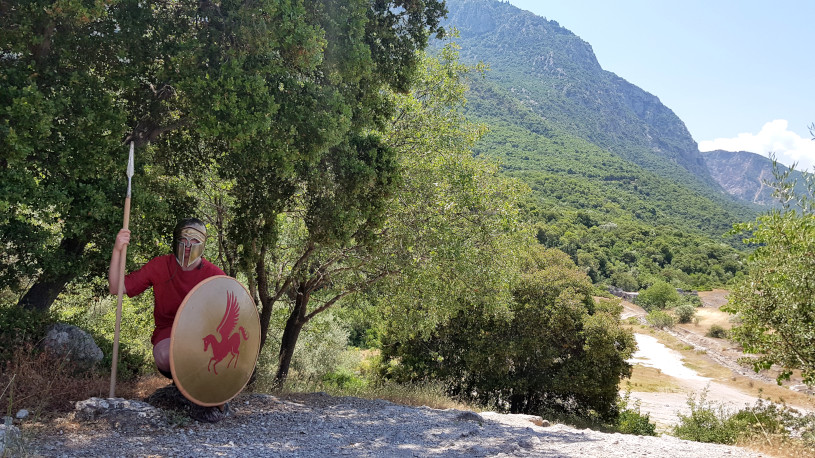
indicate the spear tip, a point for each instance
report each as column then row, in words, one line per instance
column 130, row 162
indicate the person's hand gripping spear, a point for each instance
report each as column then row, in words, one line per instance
column 122, row 239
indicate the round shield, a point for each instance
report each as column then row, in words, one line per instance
column 215, row 341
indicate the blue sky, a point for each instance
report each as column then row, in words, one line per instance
column 738, row 73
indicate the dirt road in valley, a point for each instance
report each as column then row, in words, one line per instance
column 676, row 381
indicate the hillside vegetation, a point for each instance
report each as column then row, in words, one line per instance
column 617, row 180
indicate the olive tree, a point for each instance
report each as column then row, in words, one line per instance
column 775, row 301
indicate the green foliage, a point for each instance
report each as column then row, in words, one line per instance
column 660, row 319
column 631, row 420
column 20, row 328
column 711, row 422
column 90, row 307
column 716, row 331
column 707, row 422
column 555, row 350
column 775, row 301
column 685, row 312
column 657, row 296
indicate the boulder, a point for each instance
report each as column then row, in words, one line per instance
column 67, row 341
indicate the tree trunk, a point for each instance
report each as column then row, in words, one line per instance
column 291, row 333
column 44, row 292
column 48, row 286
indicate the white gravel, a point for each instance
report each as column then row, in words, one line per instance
column 316, row 425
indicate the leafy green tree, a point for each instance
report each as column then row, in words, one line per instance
column 446, row 217
column 775, row 302
column 71, row 90
column 658, row 296
column 556, row 349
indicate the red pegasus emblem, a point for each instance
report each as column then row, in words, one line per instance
column 230, row 343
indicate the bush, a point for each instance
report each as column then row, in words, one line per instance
column 660, row 320
column 631, row 421
column 707, row 422
column 717, row 332
column 685, row 313
column 20, row 328
column 657, row 296
column 557, row 350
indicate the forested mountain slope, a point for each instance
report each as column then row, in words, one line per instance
column 580, row 135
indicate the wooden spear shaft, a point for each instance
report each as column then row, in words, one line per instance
column 122, row 260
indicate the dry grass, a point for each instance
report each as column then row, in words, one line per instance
column 430, row 395
column 705, row 318
column 780, row 447
column 48, row 386
column 649, row 379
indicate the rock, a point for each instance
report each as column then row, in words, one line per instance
column 22, row 413
column 120, row 413
column 10, row 441
column 529, row 442
column 470, row 416
column 67, row 341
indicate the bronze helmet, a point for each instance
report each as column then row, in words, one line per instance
column 189, row 232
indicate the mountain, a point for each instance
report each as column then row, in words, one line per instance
column 582, row 136
column 743, row 175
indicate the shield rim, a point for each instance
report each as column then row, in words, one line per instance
column 172, row 342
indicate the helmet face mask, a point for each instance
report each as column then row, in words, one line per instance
column 189, row 234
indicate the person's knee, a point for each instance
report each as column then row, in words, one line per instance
column 161, row 354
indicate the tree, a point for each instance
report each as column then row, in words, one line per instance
column 554, row 349
column 67, row 80
column 444, row 219
column 775, row 301
column 306, row 193
column 658, row 296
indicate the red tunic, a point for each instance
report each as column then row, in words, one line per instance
column 170, row 287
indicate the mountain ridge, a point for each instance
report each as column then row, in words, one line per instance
column 545, row 81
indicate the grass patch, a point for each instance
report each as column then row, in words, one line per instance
column 652, row 380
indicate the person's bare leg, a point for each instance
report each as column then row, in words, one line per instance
column 161, row 354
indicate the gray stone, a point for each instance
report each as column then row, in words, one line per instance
column 529, row 442
column 67, row 341
column 470, row 416
column 10, row 440
column 22, row 413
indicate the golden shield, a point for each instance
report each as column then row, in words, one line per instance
column 215, row 341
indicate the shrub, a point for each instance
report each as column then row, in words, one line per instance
column 557, row 350
column 717, row 332
column 631, row 421
column 685, row 313
column 20, row 328
column 660, row 320
column 707, row 422
column 657, row 296
column 625, row 281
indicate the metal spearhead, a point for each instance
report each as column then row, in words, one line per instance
column 130, row 168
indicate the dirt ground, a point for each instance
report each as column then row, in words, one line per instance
column 723, row 379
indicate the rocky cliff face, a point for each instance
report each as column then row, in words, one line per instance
column 743, row 175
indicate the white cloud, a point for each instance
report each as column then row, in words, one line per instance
column 774, row 137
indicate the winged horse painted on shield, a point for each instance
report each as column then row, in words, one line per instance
column 230, row 343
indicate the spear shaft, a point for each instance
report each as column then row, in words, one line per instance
column 121, row 279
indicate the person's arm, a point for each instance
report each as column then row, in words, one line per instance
column 122, row 240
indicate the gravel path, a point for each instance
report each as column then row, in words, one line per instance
column 317, row 424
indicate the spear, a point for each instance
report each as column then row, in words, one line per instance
column 121, row 279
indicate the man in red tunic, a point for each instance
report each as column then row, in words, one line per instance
column 172, row 276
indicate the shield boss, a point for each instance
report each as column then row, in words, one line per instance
column 215, row 341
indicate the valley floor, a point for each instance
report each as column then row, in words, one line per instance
column 673, row 365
